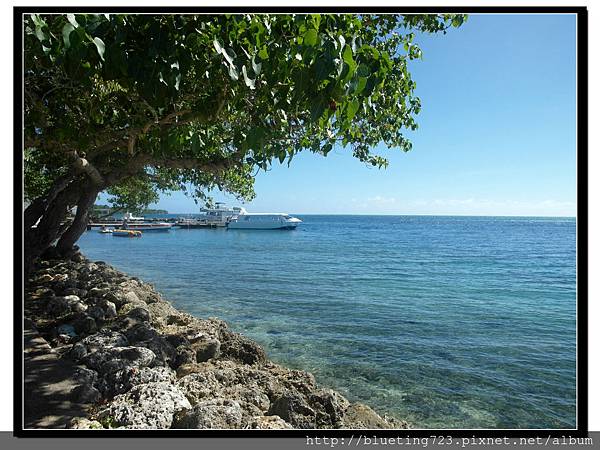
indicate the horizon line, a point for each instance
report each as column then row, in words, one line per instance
column 416, row 215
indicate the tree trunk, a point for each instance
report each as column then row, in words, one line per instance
column 72, row 234
column 36, row 209
column 38, row 239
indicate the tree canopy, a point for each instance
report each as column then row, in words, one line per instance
column 144, row 103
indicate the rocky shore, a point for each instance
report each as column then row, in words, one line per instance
column 105, row 350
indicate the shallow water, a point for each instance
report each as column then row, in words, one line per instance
column 447, row 322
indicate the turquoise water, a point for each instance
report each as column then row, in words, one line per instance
column 447, row 322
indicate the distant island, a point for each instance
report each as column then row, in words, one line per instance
column 105, row 210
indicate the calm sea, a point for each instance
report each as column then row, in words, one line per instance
column 447, row 322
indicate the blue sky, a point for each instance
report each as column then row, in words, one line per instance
column 496, row 134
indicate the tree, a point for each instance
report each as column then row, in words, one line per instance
column 142, row 103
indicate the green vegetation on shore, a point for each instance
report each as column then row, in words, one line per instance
column 106, row 210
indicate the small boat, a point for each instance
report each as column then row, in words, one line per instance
column 127, row 233
column 105, row 230
column 263, row 221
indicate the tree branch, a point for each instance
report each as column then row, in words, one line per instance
column 82, row 165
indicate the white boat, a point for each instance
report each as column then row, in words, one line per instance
column 131, row 218
column 220, row 215
column 263, row 221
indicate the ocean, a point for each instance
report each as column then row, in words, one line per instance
column 446, row 322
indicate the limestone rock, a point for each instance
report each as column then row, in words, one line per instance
column 85, row 324
column 58, row 306
column 77, row 352
column 140, row 332
column 146, row 406
column 331, row 406
column 199, row 385
column 44, row 279
column 254, row 396
column 121, row 381
column 96, row 312
column 206, row 350
column 268, row 423
column 104, row 339
column 111, row 310
column 241, row 348
column 187, row 369
column 361, row 416
column 184, row 356
column 293, row 409
column 118, row 358
column 82, row 423
column 87, row 393
column 213, row 414
column 84, row 375
column 79, row 307
column 161, row 309
column 165, row 353
column 139, row 314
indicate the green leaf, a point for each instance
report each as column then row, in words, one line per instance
column 233, row 73
column 195, row 144
column 229, row 55
column 256, row 66
column 317, row 108
column 363, row 71
column 263, row 53
column 39, row 34
column 38, row 21
column 100, row 46
column 347, row 55
column 351, row 109
column 218, row 46
column 249, row 82
column 66, row 31
column 350, row 63
column 72, row 21
column 311, row 37
column 360, row 86
column 321, row 69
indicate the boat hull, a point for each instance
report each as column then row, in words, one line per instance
column 127, row 233
column 196, row 225
column 266, row 226
column 146, row 228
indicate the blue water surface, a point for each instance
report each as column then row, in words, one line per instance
column 447, row 322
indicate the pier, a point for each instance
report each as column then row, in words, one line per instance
column 175, row 222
